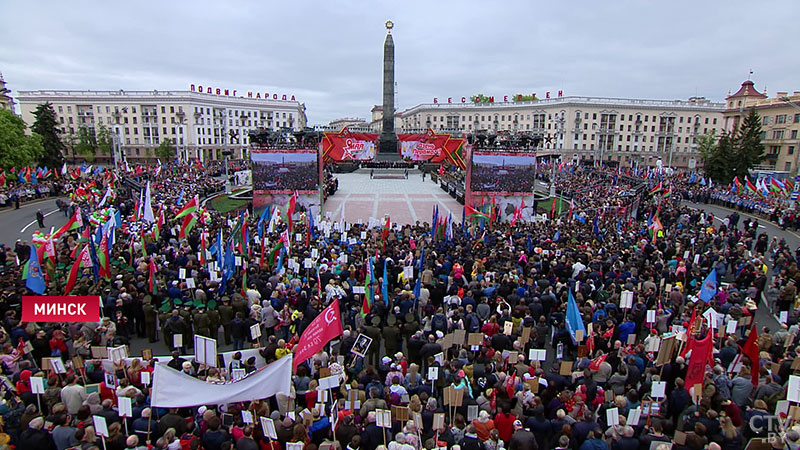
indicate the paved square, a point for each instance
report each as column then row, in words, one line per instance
column 405, row 201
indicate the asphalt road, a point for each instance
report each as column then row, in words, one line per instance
column 21, row 223
column 764, row 316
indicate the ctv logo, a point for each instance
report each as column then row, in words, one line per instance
column 60, row 309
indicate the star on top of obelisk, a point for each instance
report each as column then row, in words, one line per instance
column 389, row 26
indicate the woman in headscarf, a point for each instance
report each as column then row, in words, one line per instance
column 93, row 402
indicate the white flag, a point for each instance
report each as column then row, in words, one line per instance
column 148, row 207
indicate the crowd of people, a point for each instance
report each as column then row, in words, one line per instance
column 442, row 315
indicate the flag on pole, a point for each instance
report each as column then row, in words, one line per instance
column 33, row 276
column 147, row 214
column 751, row 350
column 385, row 283
column 574, row 321
column 324, row 328
column 190, row 207
column 187, row 225
column 76, row 221
column 152, row 277
column 474, row 214
column 656, row 189
column 709, row 288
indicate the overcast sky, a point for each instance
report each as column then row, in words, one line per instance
column 329, row 53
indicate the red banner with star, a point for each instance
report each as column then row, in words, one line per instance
column 432, row 147
column 347, row 146
column 436, row 148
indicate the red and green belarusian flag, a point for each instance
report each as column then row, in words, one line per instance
column 190, row 207
column 656, row 189
column 750, row 186
column 187, row 225
column 84, row 260
column 152, row 277
column 473, row 214
column 76, row 221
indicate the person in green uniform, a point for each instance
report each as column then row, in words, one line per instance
column 150, row 316
column 225, row 317
column 202, row 324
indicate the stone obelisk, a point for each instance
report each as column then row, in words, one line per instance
column 388, row 139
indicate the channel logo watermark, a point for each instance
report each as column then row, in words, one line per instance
column 44, row 308
column 768, row 426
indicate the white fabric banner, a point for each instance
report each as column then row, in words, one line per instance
column 174, row 389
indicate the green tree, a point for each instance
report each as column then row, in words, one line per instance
column 715, row 163
column 105, row 141
column 748, row 151
column 17, row 149
column 166, row 149
column 46, row 126
column 87, row 143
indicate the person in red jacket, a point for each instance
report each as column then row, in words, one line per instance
column 504, row 422
column 58, row 346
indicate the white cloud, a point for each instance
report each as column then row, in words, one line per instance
column 329, row 53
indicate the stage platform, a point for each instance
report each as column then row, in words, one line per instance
column 405, row 201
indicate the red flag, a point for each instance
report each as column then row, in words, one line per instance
column 595, row 363
column 152, row 278
column 290, row 210
column 701, row 355
column 325, row 327
column 750, row 350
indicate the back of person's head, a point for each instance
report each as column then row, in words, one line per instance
column 36, row 423
column 132, row 441
column 563, row 442
column 248, row 431
column 213, row 423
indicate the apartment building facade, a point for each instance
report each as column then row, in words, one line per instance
column 200, row 125
column 619, row 132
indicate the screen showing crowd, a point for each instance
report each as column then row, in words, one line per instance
column 285, row 171
column 503, row 173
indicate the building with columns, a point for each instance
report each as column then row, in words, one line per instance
column 620, row 132
column 200, row 124
column 780, row 124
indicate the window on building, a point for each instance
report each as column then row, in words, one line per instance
column 794, row 134
column 765, row 120
column 791, row 150
column 780, row 118
column 69, row 109
column 797, row 118
column 777, row 134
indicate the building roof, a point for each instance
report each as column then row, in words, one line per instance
column 747, row 90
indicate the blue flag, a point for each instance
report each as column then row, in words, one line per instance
column 691, row 178
column 35, row 280
column 265, row 217
column 311, row 226
column 574, row 320
column 180, row 198
column 95, row 260
column 709, row 288
column 557, row 236
column 385, row 284
column 596, row 229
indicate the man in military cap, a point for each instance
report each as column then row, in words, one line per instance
column 225, row 317
column 391, row 333
column 174, row 325
column 373, row 330
column 163, row 316
column 150, row 315
column 202, row 324
column 188, row 334
column 214, row 321
column 410, row 327
column 240, row 305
